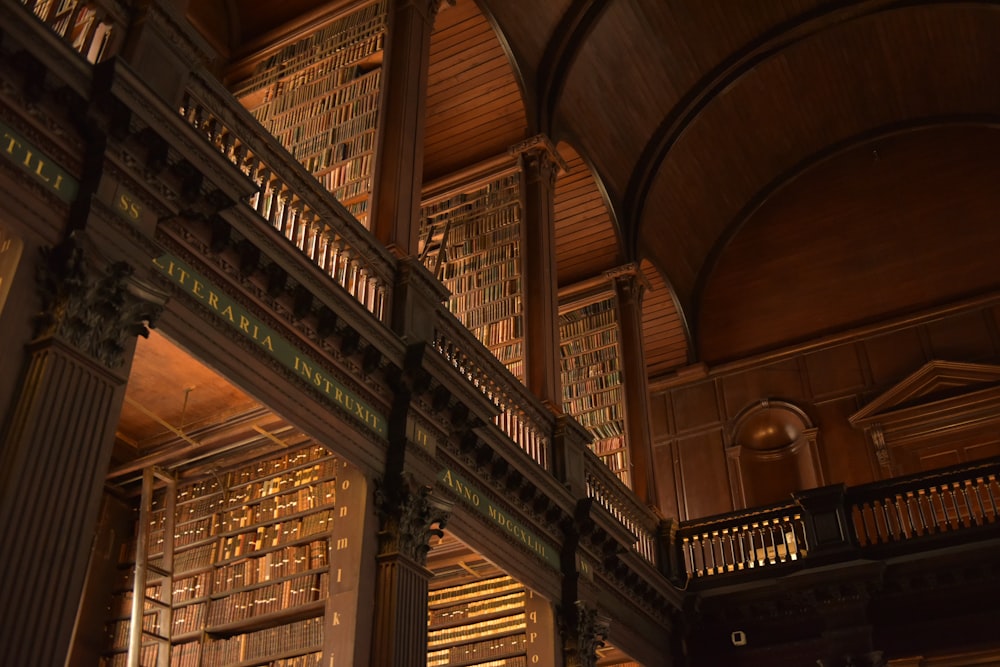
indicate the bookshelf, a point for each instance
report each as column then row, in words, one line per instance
column 470, row 239
column 250, row 565
column 319, row 98
column 481, row 622
column 593, row 391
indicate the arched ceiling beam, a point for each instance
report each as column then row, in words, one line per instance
column 790, row 175
column 512, row 58
column 725, row 74
column 560, row 52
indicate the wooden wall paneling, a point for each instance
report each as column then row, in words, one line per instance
column 703, row 472
column 782, row 379
column 844, row 451
column 834, row 371
column 659, row 415
column 666, row 466
column 694, row 406
column 962, row 337
column 892, row 355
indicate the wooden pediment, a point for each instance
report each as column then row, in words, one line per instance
column 937, row 390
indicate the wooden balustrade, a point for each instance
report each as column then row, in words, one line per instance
column 93, row 29
column 290, row 200
column 604, row 486
column 743, row 541
column 522, row 416
column 906, row 512
column 925, row 505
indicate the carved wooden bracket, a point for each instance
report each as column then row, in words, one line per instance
column 95, row 313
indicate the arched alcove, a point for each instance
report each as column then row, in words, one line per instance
column 772, row 453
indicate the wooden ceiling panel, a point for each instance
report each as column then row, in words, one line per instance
column 823, row 91
column 586, row 241
column 169, row 390
column 665, row 338
column 890, row 227
column 639, row 61
column 528, row 27
column 474, row 104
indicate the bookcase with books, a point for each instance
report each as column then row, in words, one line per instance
column 319, row 98
column 470, row 238
column 481, row 622
column 590, row 352
column 249, row 564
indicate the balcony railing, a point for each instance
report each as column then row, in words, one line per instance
column 94, row 29
column 882, row 519
column 742, row 541
column 925, row 506
column 605, row 487
column 289, row 199
column 294, row 204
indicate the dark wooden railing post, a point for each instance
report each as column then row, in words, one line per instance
column 828, row 528
column 569, row 440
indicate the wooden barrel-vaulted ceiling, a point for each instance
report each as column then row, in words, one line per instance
column 713, row 130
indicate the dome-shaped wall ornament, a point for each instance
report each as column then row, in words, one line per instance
column 772, row 453
column 770, row 425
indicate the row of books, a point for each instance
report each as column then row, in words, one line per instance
column 260, row 469
column 190, row 588
column 472, row 591
column 289, row 593
column 464, row 633
column 147, row 657
column 348, row 179
column 601, row 359
column 118, row 630
column 301, row 636
column 582, row 384
column 276, row 564
column 185, row 655
column 273, row 508
column 276, row 465
column 314, row 91
column 456, row 613
column 349, row 29
column 488, row 651
column 189, row 618
column 275, row 534
column 589, row 402
column 491, row 313
column 301, row 477
column 598, row 338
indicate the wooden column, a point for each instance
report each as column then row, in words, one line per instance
column 583, row 632
column 347, row 639
column 398, row 177
column 409, row 519
column 540, row 164
column 628, row 289
column 541, row 634
column 57, row 448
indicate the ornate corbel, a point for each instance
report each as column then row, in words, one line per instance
column 409, row 515
column 95, row 312
column 583, row 632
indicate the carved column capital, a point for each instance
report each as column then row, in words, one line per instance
column 583, row 632
column 629, row 282
column 96, row 312
column 539, row 159
column 409, row 516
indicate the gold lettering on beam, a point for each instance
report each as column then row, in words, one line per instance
column 39, row 166
column 280, row 349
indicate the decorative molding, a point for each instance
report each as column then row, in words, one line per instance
column 583, row 631
column 538, row 154
column 97, row 314
column 409, row 516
